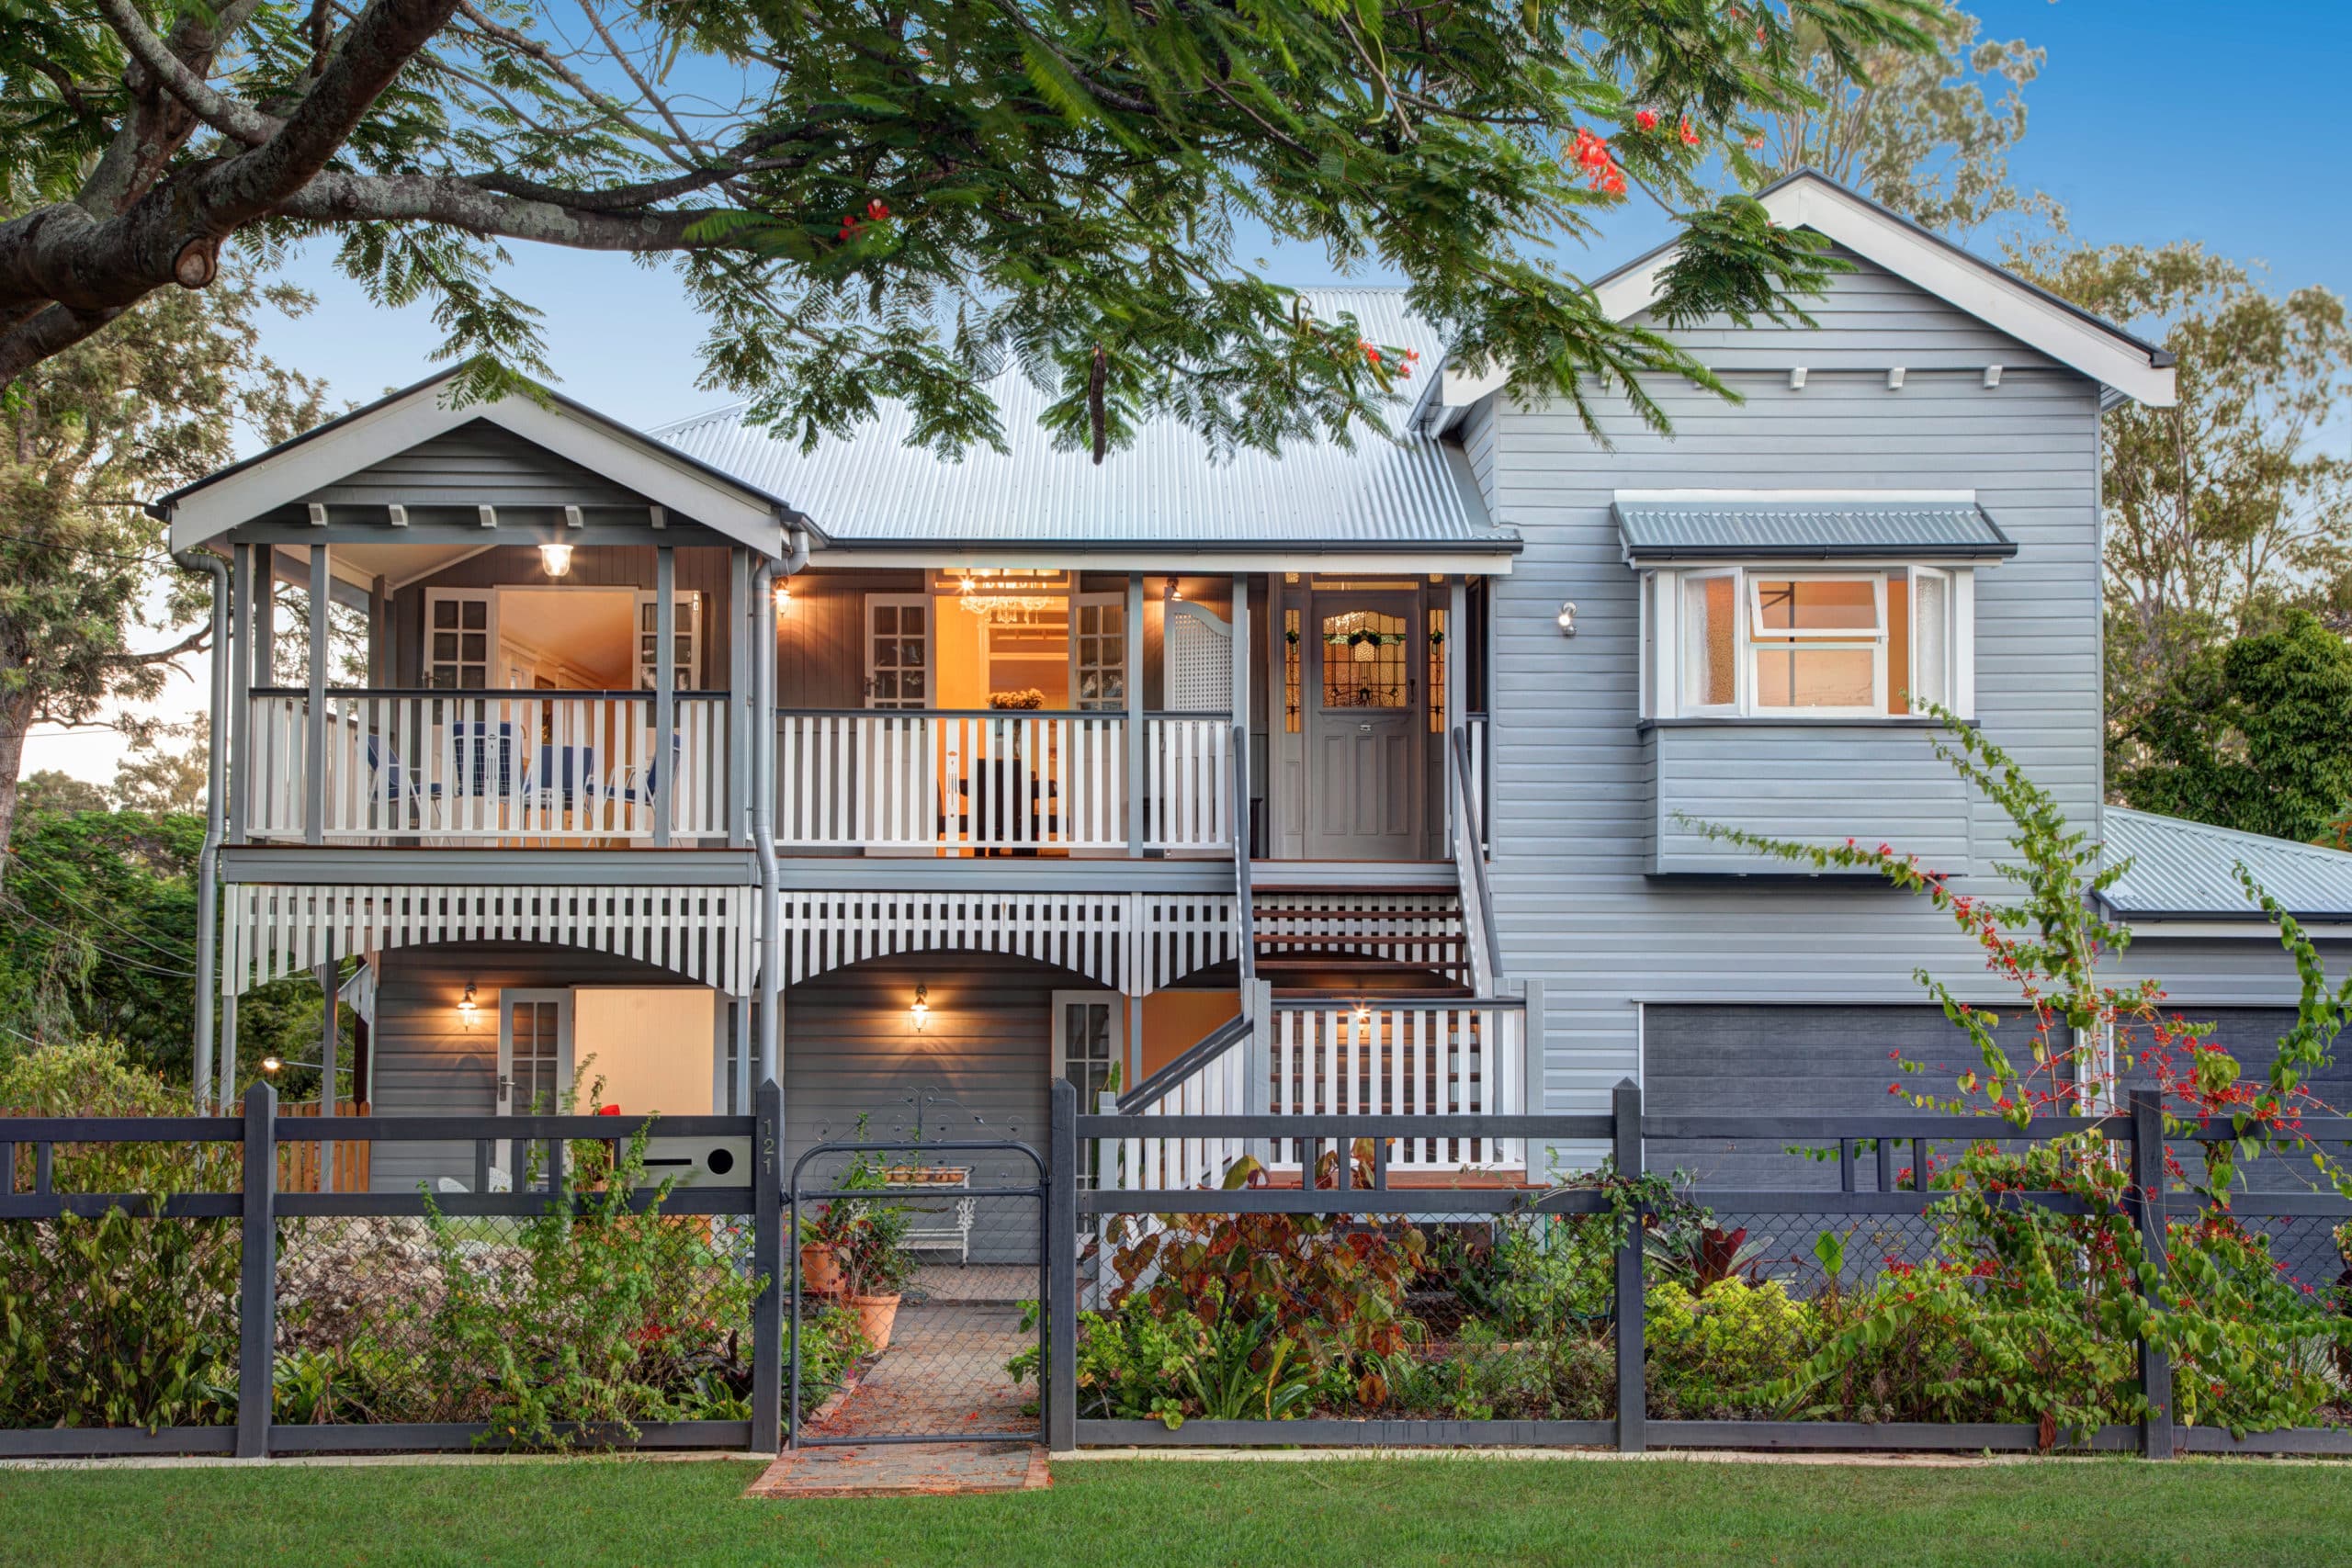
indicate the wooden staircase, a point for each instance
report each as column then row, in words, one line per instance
column 1328, row 941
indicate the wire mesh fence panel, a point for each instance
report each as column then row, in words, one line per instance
column 918, row 1278
column 126, row 1316
column 598, row 1318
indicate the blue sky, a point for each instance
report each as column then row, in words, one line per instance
column 2154, row 120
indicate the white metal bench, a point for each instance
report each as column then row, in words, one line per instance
column 955, row 1237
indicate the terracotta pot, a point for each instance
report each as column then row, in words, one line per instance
column 875, row 1316
column 820, row 1271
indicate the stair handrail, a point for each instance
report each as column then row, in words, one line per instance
column 1470, row 864
column 1164, row 1082
column 1244, row 901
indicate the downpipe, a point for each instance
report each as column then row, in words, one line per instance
column 764, row 787
column 207, row 874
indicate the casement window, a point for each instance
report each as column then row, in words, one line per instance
column 1766, row 642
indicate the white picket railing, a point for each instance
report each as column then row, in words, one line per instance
column 1187, row 781
column 991, row 780
column 1390, row 1056
column 556, row 766
column 1395, row 1056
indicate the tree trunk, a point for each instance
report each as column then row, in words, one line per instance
column 15, row 717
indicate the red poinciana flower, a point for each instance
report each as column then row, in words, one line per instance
column 1690, row 137
column 1647, row 119
column 878, row 209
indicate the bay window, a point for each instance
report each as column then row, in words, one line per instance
column 1776, row 642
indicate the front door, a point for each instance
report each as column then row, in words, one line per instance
column 1364, row 729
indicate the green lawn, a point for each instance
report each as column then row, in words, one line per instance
column 1114, row 1514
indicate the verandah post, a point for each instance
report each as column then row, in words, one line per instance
column 257, row 1289
column 2148, row 1197
column 1633, row 1398
column 1060, row 1390
column 768, row 1258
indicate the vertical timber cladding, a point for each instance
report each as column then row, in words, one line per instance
column 428, row 1062
column 978, row 1069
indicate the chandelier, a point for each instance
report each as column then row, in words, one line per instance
column 996, row 595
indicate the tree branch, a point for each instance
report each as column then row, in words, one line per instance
column 233, row 119
column 337, row 198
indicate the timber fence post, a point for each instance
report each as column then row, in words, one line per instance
column 257, row 1288
column 767, row 1257
column 1060, row 1389
column 2148, row 1199
column 1632, row 1397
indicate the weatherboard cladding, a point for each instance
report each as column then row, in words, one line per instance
column 872, row 488
column 1693, row 530
column 2190, row 869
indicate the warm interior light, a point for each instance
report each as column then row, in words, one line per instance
column 270, row 1064
column 557, row 559
column 1363, row 1012
column 920, row 1013
column 466, row 1007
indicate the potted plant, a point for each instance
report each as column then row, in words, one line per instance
column 874, row 1266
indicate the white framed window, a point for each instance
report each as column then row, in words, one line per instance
column 1765, row 641
column 897, row 650
column 1090, row 1041
column 461, row 639
column 685, row 634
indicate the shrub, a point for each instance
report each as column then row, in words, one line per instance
column 118, row 1320
column 605, row 1318
column 1717, row 1352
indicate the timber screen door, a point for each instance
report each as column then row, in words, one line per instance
column 1363, row 727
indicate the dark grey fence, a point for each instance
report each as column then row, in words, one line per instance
column 293, row 1282
column 1855, row 1144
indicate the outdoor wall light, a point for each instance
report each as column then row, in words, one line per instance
column 271, row 1065
column 1568, row 618
column 782, row 596
column 920, row 1013
column 557, row 559
column 469, row 1010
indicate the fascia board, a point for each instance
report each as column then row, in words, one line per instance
column 1959, row 280
column 379, row 434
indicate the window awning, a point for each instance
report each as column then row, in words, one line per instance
column 1684, row 525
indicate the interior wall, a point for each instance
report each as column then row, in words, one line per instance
column 699, row 570
column 642, row 1042
column 1176, row 1021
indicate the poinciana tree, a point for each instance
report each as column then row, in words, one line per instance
column 874, row 199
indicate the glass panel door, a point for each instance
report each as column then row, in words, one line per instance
column 897, row 650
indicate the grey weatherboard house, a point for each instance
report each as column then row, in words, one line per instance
column 1355, row 778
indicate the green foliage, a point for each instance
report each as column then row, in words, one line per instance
column 100, row 940
column 870, row 207
column 607, row 1316
column 1485, row 1375
column 121, row 1320
column 1714, row 1353
column 2253, row 734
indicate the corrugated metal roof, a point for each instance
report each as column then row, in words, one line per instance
column 1809, row 529
column 871, row 488
column 2188, row 870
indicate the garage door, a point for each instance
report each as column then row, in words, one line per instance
column 1785, row 1061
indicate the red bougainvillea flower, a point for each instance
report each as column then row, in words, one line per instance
column 1647, row 119
column 878, row 209
column 1690, row 137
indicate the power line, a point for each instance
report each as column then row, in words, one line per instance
column 84, row 910
column 26, row 910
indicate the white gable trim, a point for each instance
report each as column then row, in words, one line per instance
column 1809, row 201
column 304, row 466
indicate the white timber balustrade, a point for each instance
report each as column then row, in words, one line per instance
column 1188, row 783
column 439, row 765
column 964, row 780
column 1380, row 1056
column 1394, row 1057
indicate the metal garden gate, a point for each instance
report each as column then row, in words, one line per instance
column 956, row 1232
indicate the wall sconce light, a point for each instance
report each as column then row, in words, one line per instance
column 920, row 1013
column 271, row 1065
column 782, row 596
column 1174, row 593
column 469, row 1010
column 556, row 558
column 1568, row 618
column 1364, row 1011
